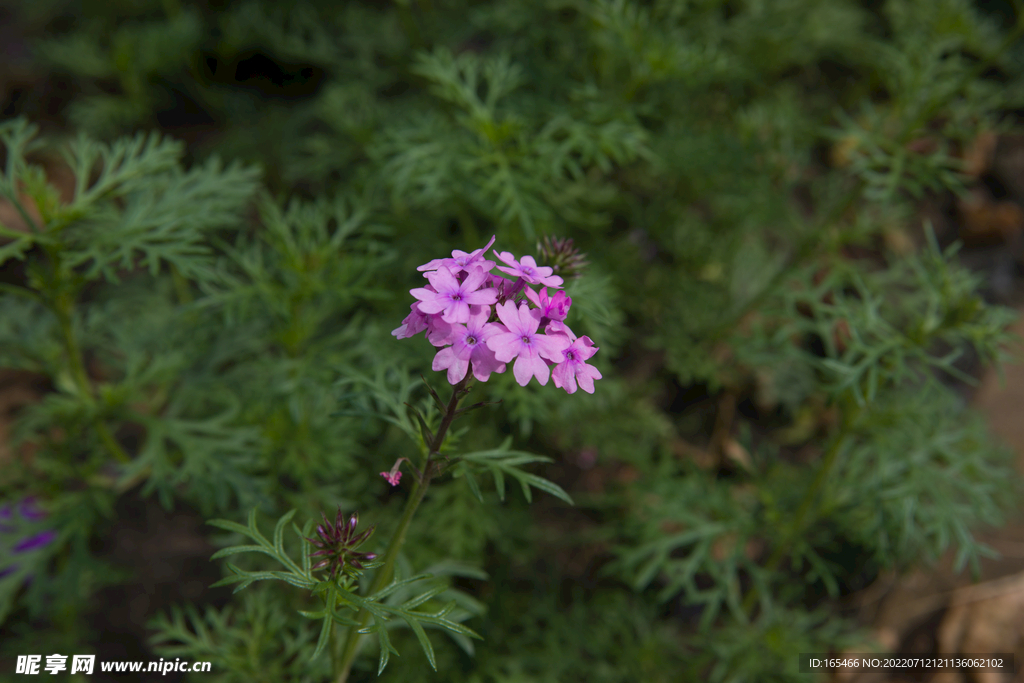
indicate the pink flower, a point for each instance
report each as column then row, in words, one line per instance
column 461, row 261
column 454, row 308
column 521, row 341
column 556, row 328
column 469, row 345
column 445, row 359
column 469, row 342
column 439, row 333
column 528, row 269
column 394, row 476
column 453, row 298
column 413, row 324
column 573, row 369
column 552, row 308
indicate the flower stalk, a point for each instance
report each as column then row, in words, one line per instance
column 353, row 639
column 62, row 306
column 808, row 505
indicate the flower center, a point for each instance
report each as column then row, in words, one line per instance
column 456, row 297
column 569, row 356
column 526, row 339
column 471, row 340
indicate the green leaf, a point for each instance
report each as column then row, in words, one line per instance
column 15, row 249
column 326, row 627
column 428, row 649
column 474, row 486
column 296, row 576
column 279, row 531
column 234, row 550
column 501, row 462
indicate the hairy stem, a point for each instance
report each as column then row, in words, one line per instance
column 353, row 638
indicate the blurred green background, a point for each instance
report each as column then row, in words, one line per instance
column 766, row 192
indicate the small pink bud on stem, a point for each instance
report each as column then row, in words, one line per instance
column 395, row 475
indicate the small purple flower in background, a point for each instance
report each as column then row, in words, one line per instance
column 481, row 320
column 27, row 510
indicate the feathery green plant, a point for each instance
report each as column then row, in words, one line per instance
column 730, row 168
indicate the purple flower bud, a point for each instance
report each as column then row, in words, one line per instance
column 337, row 544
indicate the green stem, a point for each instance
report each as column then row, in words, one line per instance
column 62, row 306
column 807, row 506
column 353, row 639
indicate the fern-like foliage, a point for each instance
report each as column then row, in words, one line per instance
column 501, row 462
column 340, row 600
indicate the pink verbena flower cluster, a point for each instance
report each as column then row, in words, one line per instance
column 481, row 320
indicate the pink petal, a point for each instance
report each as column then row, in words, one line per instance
column 551, row 347
column 475, row 278
column 506, row 345
column 484, row 363
column 445, row 359
column 481, row 297
column 508, row 314
column 586, row 374
column 457, row 312
column 527, row 367
column 507, row 257
column 443, row 281
column 564, row 377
